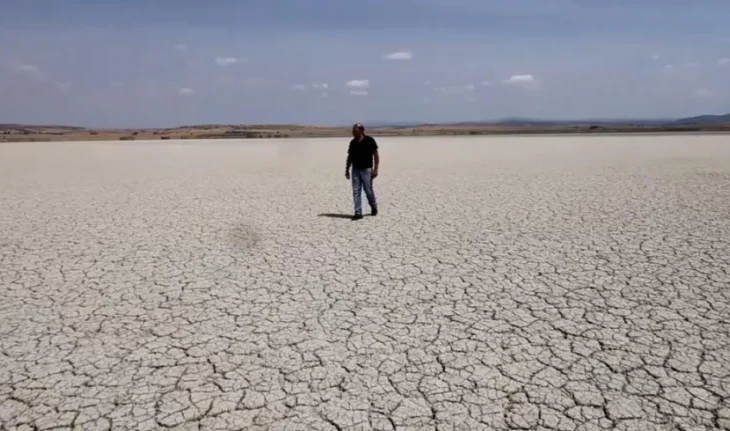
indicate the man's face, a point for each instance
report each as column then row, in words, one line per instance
column 356, row 132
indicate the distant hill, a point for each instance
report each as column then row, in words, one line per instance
column 517, row 121
column 38, row 127
column 705, row 119
column 541, row 122
column 390, row 124
column 533, row 122
column 701, row 120
column 530, row 125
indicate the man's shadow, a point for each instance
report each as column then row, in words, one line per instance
column 338, row 215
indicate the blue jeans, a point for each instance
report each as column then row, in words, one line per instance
column 362, row 179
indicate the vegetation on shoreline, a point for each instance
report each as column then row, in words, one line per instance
column 31, row 133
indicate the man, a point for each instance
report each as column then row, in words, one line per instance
column 362, row 152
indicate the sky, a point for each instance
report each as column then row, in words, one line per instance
column 165, row 63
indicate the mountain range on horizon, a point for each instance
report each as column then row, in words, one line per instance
column 706, row 119
column 700, row 120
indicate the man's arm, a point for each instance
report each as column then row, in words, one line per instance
column 376, row 158
column 348, row 163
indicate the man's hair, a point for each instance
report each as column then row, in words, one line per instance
column 359, row 127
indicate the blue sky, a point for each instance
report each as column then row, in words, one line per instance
column 144, row 63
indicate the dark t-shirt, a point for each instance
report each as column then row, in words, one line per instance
column 361, row 153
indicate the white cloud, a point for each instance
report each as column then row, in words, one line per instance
column 426, row 101
column 691, row 65
column 324, row 94
column 668, row 68
column 655, row 57
column 455, row 89
column 358, row 93
column 471, row 99
column 322, row 87
column 723, row 61
column 185, row 91
column 400, row 55
column 180, row 47
column 358, row 83
column 30, row 70
column 703, row 93
column 525, row 81
column 116, row 84
column 226, row 61
column 486, row 84
column 521, row 79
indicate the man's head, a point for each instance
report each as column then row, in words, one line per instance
column 358, row 130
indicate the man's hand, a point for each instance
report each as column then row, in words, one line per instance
column 347, row 174
column 375, row 173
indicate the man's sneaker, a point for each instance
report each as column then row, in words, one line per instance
column 357, row 217
column 374, row 212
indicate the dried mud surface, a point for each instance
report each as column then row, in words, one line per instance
column 548, row 283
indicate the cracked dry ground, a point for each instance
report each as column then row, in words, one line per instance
column 550, row 283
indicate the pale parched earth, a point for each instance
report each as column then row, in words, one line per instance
column 550, row 283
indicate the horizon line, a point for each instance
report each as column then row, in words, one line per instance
column 384, row 123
